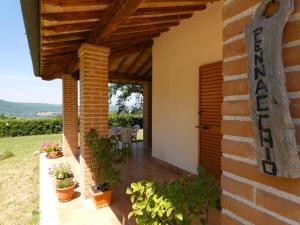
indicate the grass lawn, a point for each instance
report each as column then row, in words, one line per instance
column 19, row 179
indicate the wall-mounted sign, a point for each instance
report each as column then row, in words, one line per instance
column 275, row 142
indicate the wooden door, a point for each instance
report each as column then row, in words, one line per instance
column 210, row 100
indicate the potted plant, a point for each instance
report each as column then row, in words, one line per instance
column 61, row 171
column 65, row 185
column 182, row 201
column 105, row 155
column 65, row 190
column 52, row 150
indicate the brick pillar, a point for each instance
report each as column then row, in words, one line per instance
column 147, row 111
column 70, row 115
column 93, row 64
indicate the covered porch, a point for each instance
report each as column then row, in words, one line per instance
column 88, row 44
column 81, row 211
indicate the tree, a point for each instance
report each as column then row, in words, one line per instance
column 125, row 93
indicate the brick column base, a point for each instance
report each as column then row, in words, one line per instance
column 93, row 64
column 70, row 115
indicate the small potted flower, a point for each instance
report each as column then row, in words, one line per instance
column 65, row 185
column 61, row 171
column 53, row 150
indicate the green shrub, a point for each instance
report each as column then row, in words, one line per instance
column 125, row 120
column 27, row 127
column 178, row 202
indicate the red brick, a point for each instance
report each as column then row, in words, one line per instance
column 248, row 213
column 235, row 187
column 237, row 128
column 279, row 205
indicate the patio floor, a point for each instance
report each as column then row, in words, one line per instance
column 82, row 212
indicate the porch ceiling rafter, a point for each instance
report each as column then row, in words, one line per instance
column 127, row 27
column 117, row 12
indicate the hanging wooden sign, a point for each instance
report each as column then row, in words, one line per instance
column 275, row 142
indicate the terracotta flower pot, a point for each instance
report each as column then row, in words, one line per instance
column 53, row 155
column 65, row 194
column 101, row 199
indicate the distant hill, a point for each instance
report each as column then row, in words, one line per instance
column 29, row 110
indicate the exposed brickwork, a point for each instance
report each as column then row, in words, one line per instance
column 93, row 102
column 235, row 87
column 250, row 197
column 70, row 115
column 147, row 107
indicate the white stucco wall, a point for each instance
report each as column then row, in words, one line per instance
column 177, row 56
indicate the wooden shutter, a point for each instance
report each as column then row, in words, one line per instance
column 210, row 100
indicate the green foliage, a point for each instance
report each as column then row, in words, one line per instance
column 178, row 202
column 65, row 184
column 6, row 155
column 125, row 120
column 124, row 93
column 28, row 127
column 105, row 155
column 50, row 147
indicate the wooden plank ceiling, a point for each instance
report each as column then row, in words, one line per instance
column 126, row 26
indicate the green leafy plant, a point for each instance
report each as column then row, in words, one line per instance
column 61, row 171
column 12, row 127
column 50, row 147
column 26, row 127
column 179, row 202
column 105, row 155
column 65, row 184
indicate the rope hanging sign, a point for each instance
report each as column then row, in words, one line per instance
column 275, row 141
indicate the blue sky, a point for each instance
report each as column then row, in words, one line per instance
column 17, row 80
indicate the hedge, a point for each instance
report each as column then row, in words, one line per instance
column 125, row 120
column 27, row 127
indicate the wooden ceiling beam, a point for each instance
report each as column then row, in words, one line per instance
column 121, row 64
column 62, row 44
column 117, row 12
column 72, row 16
column 117, row 36
column 126, row 78
column 136, row 60
column 196, row 1
column 148, row 73
column 130, row 42
column 130, row 49
column 59, row 51
column 145, row 28
column 158, row 19
column 62, row 55
column 97, row 14
column 68, row 3
column 65, row 37
column 169, row 10
column 142, row 67
column 70, row 27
